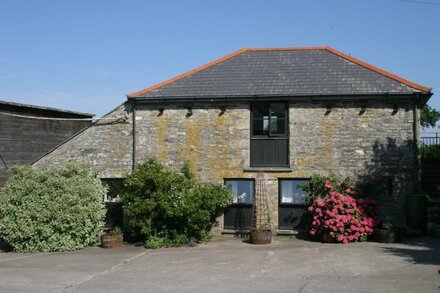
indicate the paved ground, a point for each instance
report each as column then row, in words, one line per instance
column 230, row 265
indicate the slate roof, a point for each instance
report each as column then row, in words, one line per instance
column 282, row 72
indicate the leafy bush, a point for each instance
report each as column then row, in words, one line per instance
column 429, row 116
column 166, row 208
column 338, row 216
column 318, row 187
column 51, row 210
column 157, row 241
column 430, row 152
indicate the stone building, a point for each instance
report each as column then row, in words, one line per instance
column 286, row 112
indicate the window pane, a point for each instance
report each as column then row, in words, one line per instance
column 114, row 189
column 260, row 126
column 277, row 126
column 290, row 191
column 242, row 190
column 278, row 110
column 260, row 110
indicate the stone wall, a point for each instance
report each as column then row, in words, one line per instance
column 349, row 143
column 106, row 146
column 344, row 142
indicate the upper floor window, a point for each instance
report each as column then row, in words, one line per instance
column 269, row 135
column 269, row 119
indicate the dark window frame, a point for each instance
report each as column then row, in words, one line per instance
column 253, row 190
column 114, row 187
column 266, row 139
column 270, row 135
column 286, row 204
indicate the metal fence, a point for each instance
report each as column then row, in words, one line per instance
column 430, row 138
column 430, row 149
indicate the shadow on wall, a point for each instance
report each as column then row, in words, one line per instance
column 393, row 164
column 418, row 251
column 391, row 159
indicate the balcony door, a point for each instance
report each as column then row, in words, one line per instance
column 269, row 135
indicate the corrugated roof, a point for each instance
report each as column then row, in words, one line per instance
column 282, row 72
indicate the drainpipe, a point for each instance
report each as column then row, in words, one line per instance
column 416, row 132
column 133, row 157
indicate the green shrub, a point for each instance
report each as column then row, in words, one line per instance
column 157, row 241
column 316, row 188
column 166, row 208
column 51, row 210
column 430, row 152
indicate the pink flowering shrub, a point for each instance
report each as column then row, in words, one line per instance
column 320, row 186
column 338, row 216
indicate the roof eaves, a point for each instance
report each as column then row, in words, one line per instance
column 213, row 98
column 20, row 105
column 380, row 71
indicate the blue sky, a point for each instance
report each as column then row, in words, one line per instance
column 87, row 55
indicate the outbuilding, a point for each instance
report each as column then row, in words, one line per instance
column 286, row 112
column 27, row 132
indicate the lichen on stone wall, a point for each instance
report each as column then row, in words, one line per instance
column 343, row 142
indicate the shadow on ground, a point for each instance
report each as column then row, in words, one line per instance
column 422, row 250
column 4, row 247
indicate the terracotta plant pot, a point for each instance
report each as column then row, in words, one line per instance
column 260, row 237
column 111, row 241
column 387, row 236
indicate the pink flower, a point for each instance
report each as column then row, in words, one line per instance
column 341, row 215
column 303, row 196
column 328, row 184
column 350, row 191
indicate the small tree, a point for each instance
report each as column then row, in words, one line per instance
column 51, row 210
column 429, row 116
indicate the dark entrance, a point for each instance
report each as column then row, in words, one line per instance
column 292, row 212
column 238, row 215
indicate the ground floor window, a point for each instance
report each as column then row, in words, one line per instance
column 291, row 209
column 242, row 190
column 291, row 192
column 112, row 200
column 114, row 188
column 238, row 215
column 292, row 213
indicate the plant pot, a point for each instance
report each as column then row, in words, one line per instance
column 387, row 236
column 260, row 237
column 111, row 241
